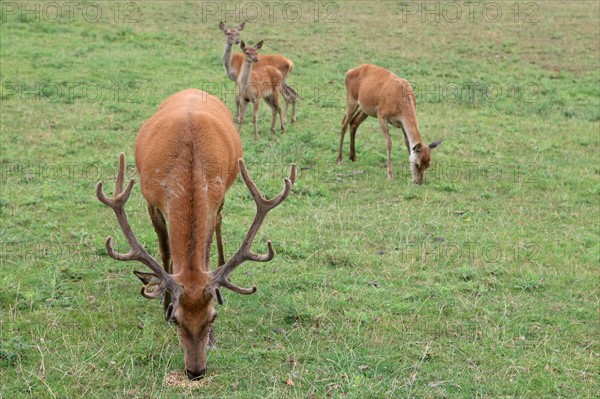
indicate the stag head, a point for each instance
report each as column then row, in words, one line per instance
column 192, row 292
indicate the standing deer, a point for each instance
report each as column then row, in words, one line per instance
column 377, row 92
column 188, row 155
column 233, row 66
column 256, row 83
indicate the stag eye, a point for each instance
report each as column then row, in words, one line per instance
column 214, row 318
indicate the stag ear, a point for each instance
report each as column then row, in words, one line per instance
column 242, row 45
column 214, row 292
column 241, row 27
column 435, row 144
column 151, row 283
column 169, row 312
column 418, row 148
column 259, row 44
column 222, row 26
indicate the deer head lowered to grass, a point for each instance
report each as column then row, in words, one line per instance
column 375, row 91
column 187, row 155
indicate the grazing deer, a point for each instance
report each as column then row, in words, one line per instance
column 187, row 156
column 233, row 65
column 256, row 83
column 375, row 91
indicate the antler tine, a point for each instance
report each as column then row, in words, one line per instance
column 261, row 202
column 120, row 196
column 244, row 253
column 136, row 252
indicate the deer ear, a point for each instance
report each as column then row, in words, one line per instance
column 169, row 312
column 241, row 27
column 435, row 144
column 151, row 283
column 222, row 26
column 242, row 45
column 259, row 44
column 418, row 147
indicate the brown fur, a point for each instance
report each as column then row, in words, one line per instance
column 186, row 155
column 279, row 62
column 233, row 63
column 253, row 84
column 377, row 92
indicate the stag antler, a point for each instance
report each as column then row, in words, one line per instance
column 136, row 252
column 263, row 206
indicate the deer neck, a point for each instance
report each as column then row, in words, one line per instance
column 227, row 60
column 246, row 74
column 410, row 126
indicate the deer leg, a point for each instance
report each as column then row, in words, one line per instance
column 388, row 144
column 160, row 227
column 285, row 112
column 358, row 118
column 293, row 101
column 243, row 104
column 291, row 97
column 212, row 343
column 255, row 118
column 285, row 93
column 278, row 108
column 352, row 107
column 219, row 236
column 237, row 109
column 271, row 103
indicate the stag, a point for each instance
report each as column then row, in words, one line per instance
column 187, row 156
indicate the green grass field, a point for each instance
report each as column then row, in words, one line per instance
column 481, row 283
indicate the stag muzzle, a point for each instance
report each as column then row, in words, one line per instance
column 195, row 375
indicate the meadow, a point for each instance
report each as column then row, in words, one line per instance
column 481, row 283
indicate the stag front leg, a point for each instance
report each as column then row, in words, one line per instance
column 388, row 144
column 219, row 237
column 160, row 227
column 354, row 124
